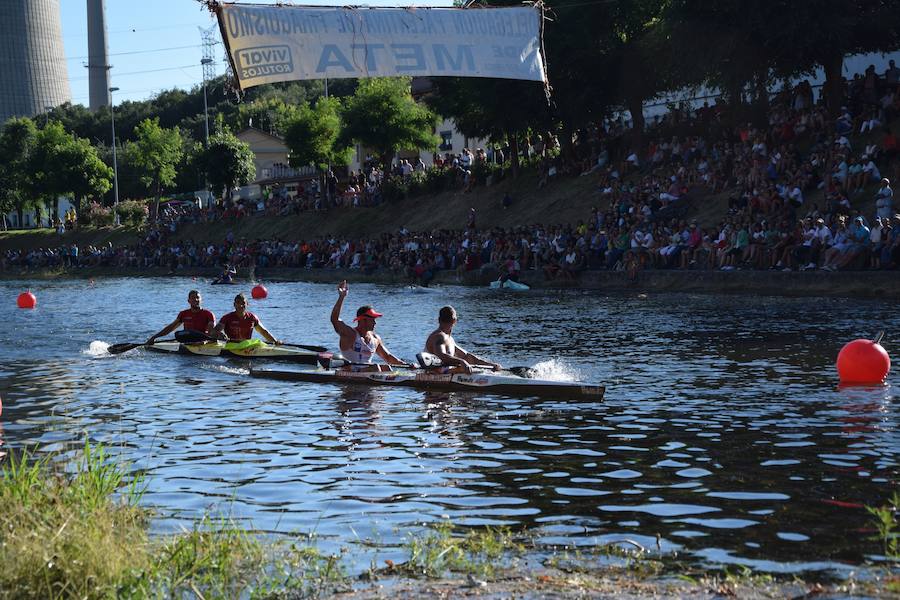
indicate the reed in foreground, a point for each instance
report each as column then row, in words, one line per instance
column 82, row 533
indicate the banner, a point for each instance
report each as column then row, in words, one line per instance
column 267, row 44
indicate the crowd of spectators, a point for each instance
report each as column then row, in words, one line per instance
column 795, row 183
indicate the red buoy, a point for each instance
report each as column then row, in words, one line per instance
column 259, row 292
column 26, row 300
column 863, row 362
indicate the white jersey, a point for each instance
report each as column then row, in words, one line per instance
column 361, row 352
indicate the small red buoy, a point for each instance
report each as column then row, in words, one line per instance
column 259, row 292
column 863, row 362
column 26, row 300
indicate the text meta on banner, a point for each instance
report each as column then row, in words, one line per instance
column 268, row 44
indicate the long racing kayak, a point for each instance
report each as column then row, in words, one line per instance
column 247, row 349
column 477, row 382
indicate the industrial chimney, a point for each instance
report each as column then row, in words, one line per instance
column 33, row 74
column 98, row 56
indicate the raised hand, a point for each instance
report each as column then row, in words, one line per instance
column 343, row 288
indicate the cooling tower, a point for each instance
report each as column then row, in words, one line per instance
column 33, row 72
column 98, row 65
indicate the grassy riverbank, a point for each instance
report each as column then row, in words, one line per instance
column 78, row 530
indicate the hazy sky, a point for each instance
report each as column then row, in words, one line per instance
column 155, row 45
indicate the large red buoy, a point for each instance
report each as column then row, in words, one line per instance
column 863, row 362
column 26, row 300
column 259, row 292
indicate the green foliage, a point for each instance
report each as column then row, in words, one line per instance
column 97, row 215
column 133, row 212
column 303, row 571
column 66, row 536
column 382, row 115
column 885, row 520
column 61, row 163
column 479, row 552
column 16, row 142
column 312, row 135
column 228, row 162
column 215, row 559
column 155, row 154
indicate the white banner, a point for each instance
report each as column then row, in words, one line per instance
column 267, row 44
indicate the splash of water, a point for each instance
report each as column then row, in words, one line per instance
column 555, row 370
column 226, row 369
column 97, row 348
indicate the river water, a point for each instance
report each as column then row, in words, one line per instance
column 723, row 434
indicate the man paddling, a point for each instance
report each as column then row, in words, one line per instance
column 238, row 326
column 455, row 358
column 194, row 318
column 359, row 344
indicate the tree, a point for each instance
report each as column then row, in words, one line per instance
column 741, row 42
column 61, row 163
column 383, row 116
column 492, row 108
column 228, row 163
column 156, row 152
column 16, row 141
column 313, row 136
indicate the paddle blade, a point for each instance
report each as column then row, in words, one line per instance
column 120, row 348
column 192, row 336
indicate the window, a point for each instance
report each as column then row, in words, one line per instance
column 446, row 140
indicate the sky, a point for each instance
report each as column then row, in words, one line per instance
column 155, row 45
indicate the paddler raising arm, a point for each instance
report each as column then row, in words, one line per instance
column 441, row 343
column 358, row 344
column 194, row 318
column 238, row 326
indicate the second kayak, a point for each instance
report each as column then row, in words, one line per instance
column 245, row 349
column 506, row 384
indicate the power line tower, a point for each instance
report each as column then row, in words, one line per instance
column 209, row 52
column 209, row 71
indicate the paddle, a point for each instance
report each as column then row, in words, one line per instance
column 430, row 361
column 125, row 347
column 190, row 336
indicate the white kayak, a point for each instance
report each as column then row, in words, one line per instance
column 494, row 383
column 246, row 349
column 509, row 284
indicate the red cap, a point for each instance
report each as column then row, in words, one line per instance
column 367, row 311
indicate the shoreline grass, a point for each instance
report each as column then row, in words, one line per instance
column 78, row 530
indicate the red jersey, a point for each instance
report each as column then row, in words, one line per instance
column 237, row 328
column 198, row 321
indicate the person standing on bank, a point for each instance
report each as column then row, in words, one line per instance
column 441, row 343
column 194, row 318
column 359, row 344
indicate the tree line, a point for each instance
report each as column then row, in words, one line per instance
column 604, row 57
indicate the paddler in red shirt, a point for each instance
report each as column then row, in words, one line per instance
column 238, row 326
column 194, row 318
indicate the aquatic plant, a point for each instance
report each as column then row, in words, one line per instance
column 477, row 553
column 885, row 522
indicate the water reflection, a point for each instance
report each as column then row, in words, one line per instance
column 723, row 434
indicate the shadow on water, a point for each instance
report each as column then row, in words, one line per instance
column 723, row 431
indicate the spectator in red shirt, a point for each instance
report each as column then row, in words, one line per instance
column 194, row 318
column 238, row 326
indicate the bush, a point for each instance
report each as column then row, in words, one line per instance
column 394, row 188
column 99, row 215
column 133, row 212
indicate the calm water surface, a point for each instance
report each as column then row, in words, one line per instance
column 723, row 431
